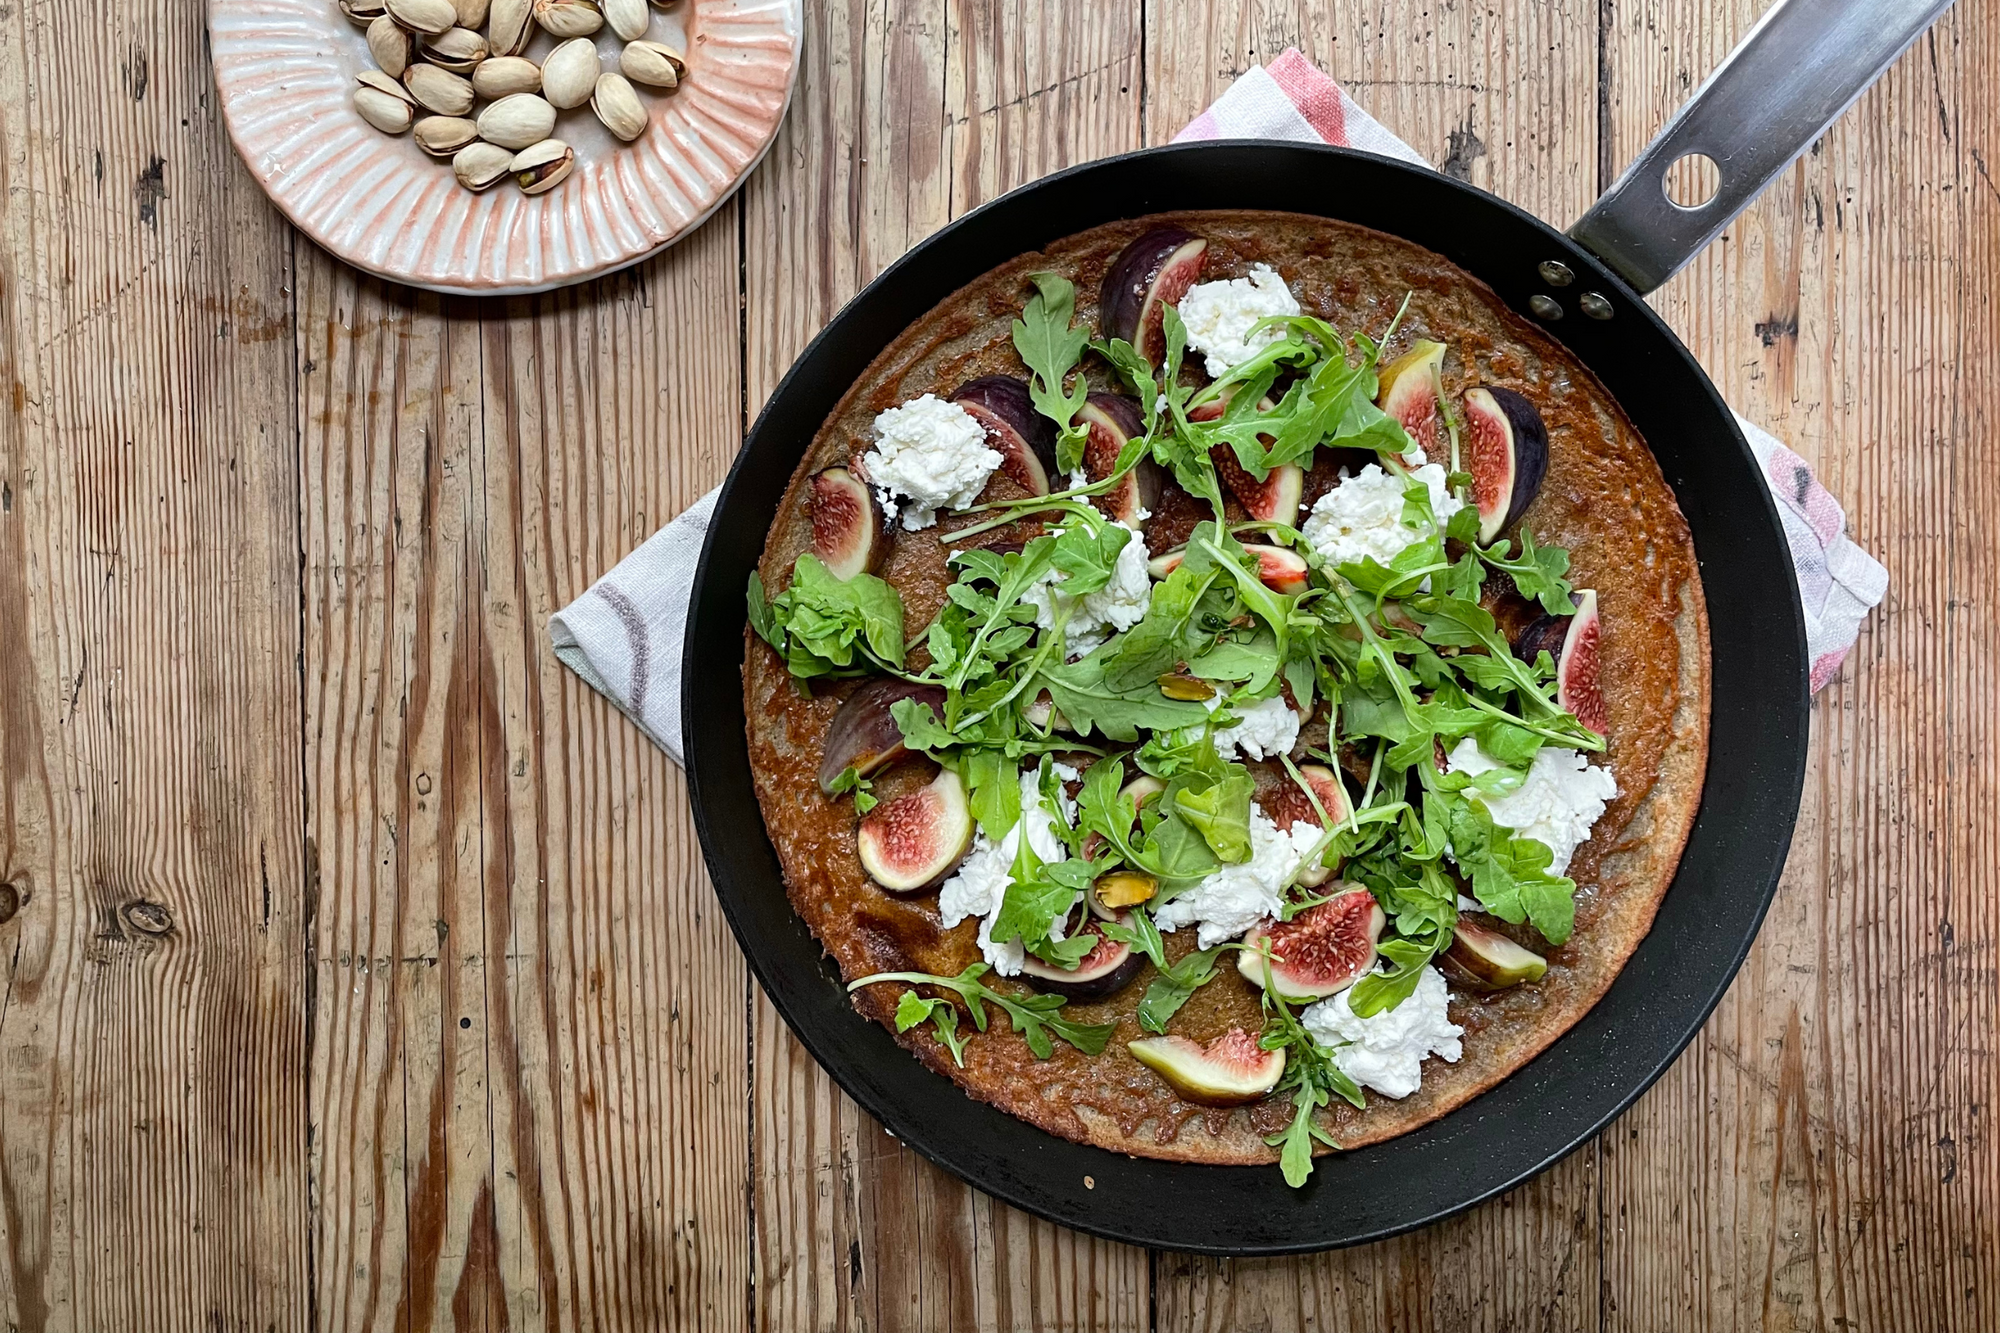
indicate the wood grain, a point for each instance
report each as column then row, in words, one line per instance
column 153, row 1025
column 362, row 970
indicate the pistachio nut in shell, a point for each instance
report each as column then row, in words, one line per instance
column 665, row 4
column 391, row 115
column 569, row 73
column 568, row 18
column 438, row 90
column 443, row 136
column 628, row 18
column 653, row 63
column 363, row 12
column 461, row 50
column 480, row 166
column 542, row 166
column 516, row 121
column 509, row 26
column 392, row 46
column 429, row 17
column 471, row 13
column 497, row 76
column 382, row 83
column 618, row 106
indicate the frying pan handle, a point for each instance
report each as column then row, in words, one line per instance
column 1804, row 63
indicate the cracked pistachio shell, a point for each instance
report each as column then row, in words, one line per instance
column 653, row 63
column 443, row 136
column 391, row 115
column 363, row 12
column 481, row 166
column 391, row 45
column 382, row 83
column 569, row 73
column 438, row 90
column 628, row 18
column 509, row 25
column 542, row 166
column 497, row 76
column 429, row 17
column 461, row 50
column 618, row 107
column 568, row 18
column 517, row 121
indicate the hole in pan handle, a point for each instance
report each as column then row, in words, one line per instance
column 1802, row 65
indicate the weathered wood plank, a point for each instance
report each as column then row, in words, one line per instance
column 1821, row 1158
column 528, row 1091
column 1503, row 96
column 906, row 115
column 152, row 1033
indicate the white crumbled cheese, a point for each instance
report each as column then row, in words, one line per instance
column 980, row 884
column 928, row 455
column 1386, row 1051
column 1237, row 897
column 1363, row 515
column 1268, row 729
column 1556, row 804
column 1220, row 316
column 1095, row 617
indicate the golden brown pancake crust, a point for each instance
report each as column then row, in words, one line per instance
column 1604, row 500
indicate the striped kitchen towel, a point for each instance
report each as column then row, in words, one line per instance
column 623, row 635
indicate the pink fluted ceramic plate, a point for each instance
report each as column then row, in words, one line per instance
column 285, row 71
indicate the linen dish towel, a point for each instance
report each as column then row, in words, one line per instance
column 623, row 635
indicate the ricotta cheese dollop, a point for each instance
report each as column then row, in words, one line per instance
column 1363, row 515
column 983, row 878
column 1220, row 316
column 928, row 455
column 1237, row 897
column 1386, row 1051
column 1267, row 729
column 1555, row 805
column 1095, row 617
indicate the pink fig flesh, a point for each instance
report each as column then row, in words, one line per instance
column 1285, row 803
column 1408, row 393
column 849, row 534
column 1572, row 643
column 1229, row 1071
column 1321, row 951
column 1278, row 569
column 1023, row 437
column 1506, row 449
column 1152, row 273
column 912, row 843
column 1107, row 969
column 863, row 735
column 1483, row 959
column 1114, row 420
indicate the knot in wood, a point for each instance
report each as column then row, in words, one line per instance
column 12, row 896
column 147, row 917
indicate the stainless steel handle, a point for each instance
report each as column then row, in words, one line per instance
column 1802, row 65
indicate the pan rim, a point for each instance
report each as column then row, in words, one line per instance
column 1763, row 857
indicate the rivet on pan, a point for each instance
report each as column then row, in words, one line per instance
column 1556, row 273
column 1595, row 304
column 1545, row 307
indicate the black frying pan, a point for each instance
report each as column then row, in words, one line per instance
column 1757, row 755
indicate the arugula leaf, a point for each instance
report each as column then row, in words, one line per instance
column 1092, row 704
column 993, row 783
column 850, row 780
column 1035, row 1017
column 1220, row 809
column 1313, row 1079
column 1510, row 876
column 913, row 1009
column 1175, row 986
column 1051, row 348
column 826, row 626
column 1540, row 572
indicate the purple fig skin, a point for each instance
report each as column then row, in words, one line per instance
column 850, row 531
column 1088, row 982
column 1114, row 419
column 1543, row 634
column 864, row 736
column 1025, row 438
column 1516, row 476
column 1155, row 270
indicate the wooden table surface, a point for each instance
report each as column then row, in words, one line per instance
column 362, row 971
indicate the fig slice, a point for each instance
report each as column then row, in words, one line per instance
column 1507, row 453
column 1104, row 971
column 1322, row 950
column 1275, row 499
column 1285, row 803
column 1573, row 642
column 1023, row 437
column 1278, row 569
column 913, row 842
column 849, row 531
column 863, row 735
column 1153, row 272
column 1485, row 960
column 1408, row 393
column 1114, row 420
column 1229, row 1071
